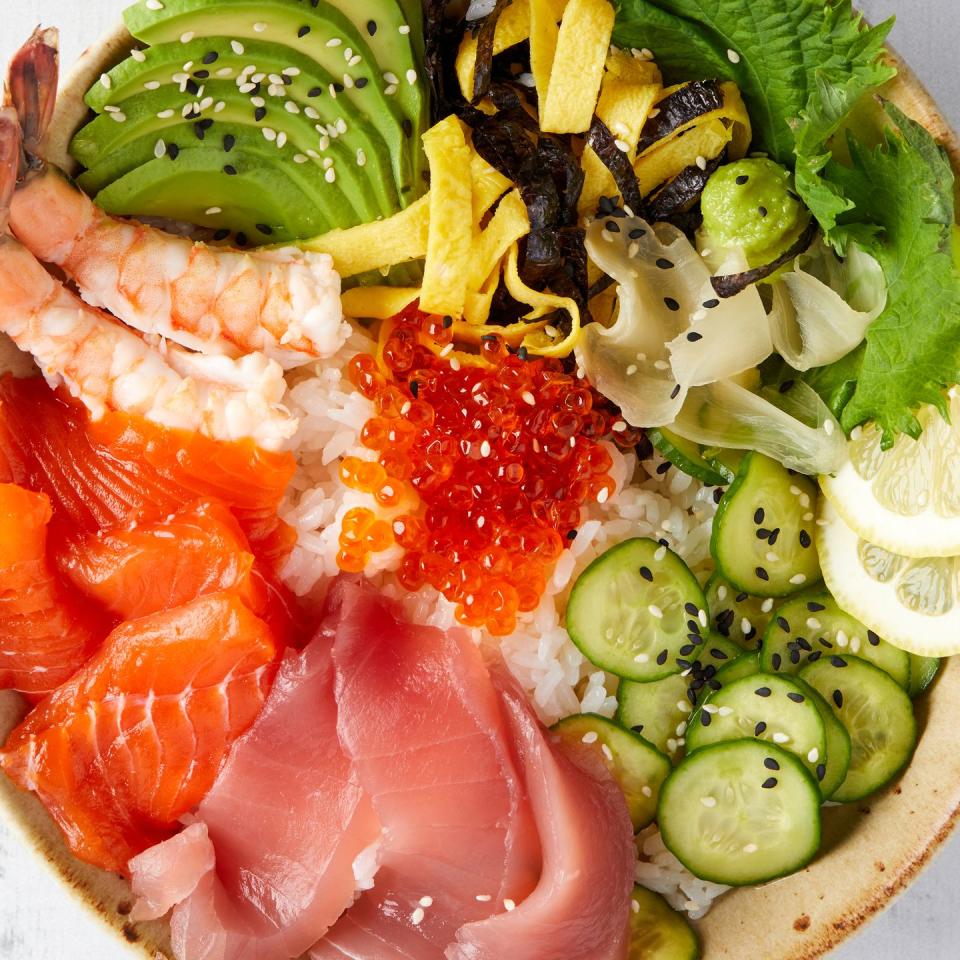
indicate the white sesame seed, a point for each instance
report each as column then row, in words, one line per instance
column 798, row 578
column 619, row 427
column 186, row 111
column 660, row 554
column 269, row 134
column 391, row 77
column 237, row 47
column 805, row 500
column 248, row 87
column 485, row 446
column 828, row 428
column 814, row 755
column 327, row 163
column 109, row 108
column 186, row 37
column 313, row 154
column 259, row 27
column 311, row 113
column 767, row 605
column 646, row 791
column 355, row 60
column 259, row 77
column 138, row 55
column 483, row 898
column 681, row 729
column 632, row 369
column 160, row 149
column 751, row 848
column 426, row 901
column 152, row 85
column 725, row 711
column 702, row 617
column 118, row 117
column 390, row 90
column 607, row 752
column 771, row 557
column 341, row 125
column 224, row 72
column 655, row 611
column 212, row 211
column 509, row 905
column 745, row 626
column 672, row 745
column 416, row 918
column 604, row 493
column 105, row 81
column 655, row 112
column 709, row 802
column 635, row 906
column 258, row 101
column 330, row 176
column 646, row 53
column 411, row 77
column 300, row 158
column 642, row 658
column 334, row 42
column 153, row 5
column 590, row 737
column 291, row 107
column 733, row 56
column 348, row 81
column 780, row 738
column 622, row 146
column 206, row 103
column 404, row 29
column 291, row 71
column 281, row 140
column 661, row 364
column 702, row 163
column 710, row 708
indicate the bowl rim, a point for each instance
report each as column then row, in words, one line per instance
column 108, row 897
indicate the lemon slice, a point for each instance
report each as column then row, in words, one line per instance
column 913, row 603
column 905, row 499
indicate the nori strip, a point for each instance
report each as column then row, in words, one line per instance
column 689, row 102
column 734, row 283
column 603, row 283
column 682, row 191
column 604, row 144
column 483, row 71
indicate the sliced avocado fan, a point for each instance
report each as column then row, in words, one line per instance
column 262, row 120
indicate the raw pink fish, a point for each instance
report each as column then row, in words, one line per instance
column 420, row 718
column 169, row 872
column 287, row 819
column 580, row 909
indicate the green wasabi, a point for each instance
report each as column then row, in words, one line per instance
column 751, row 204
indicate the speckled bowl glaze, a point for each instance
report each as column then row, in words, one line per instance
column 871, row 851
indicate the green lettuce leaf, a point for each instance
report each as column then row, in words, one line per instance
column 792, row 59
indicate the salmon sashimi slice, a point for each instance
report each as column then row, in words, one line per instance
column 287, row 820
column 135, row 739
column 123, row 468
column 46, row 631
column 580, row 909
column 420, row 719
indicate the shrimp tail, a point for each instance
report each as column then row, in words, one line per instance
column 11, row 158
column 32, row 90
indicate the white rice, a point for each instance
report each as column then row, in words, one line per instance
column 540, row 653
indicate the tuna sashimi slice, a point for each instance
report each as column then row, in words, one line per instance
column 580, row 910
column 47, row 632
column 99, row 474
column 136, row 738
column 169, row 872
column 287, row 819
column 420, row 718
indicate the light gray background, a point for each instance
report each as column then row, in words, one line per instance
column 40, row 921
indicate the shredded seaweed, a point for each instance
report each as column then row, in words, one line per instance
column 604, row 145
column 678, row 195
column 733, row 283
column 483, row 71
column 692, row 100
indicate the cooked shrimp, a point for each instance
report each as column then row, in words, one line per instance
column 284, row 303
column 109, row 367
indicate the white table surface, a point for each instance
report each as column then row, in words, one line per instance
column 40, row 921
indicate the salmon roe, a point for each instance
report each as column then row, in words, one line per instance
column 489, row 466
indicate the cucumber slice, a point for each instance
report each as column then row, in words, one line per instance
column 833, row 770
column 685, row 456
column 923, row 671
column 741, row 813
column 763, row 533
column 657, row 711
column 766, row 707
column 635, row 609
column 657, row 931
column 636, row 766
column 877, row 714
column 807, row 628
column 735, row 613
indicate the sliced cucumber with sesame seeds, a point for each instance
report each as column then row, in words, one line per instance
column 657, row 931
column 764, row 707
column 634, row 608
column 763, row 533
column 877, row 714
column 807, row 628
column 923, row 671
column 740, row 813
column 832, row 770
column 637, row 767
column 736, row 614
column 685, row 455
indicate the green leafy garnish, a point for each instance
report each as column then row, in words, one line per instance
column 790, row 58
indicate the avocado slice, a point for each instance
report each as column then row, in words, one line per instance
column 186, row 70
column 265, row 204
column 151, row 116
column 362, row 42
column 329, row 206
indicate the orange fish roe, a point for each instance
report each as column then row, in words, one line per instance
column 502, row 458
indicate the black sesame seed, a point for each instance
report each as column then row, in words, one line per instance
column 287, row 80
column 710, row 304
column 259, row 113
column 637, row 233
column 571, row 534
column 675, row 392
column 771, row 764
column 265, row 229
column 760, row 728
column 664, row 264
column 211, row 57
column 714, row 684
column 697, row 684
column 686, row 650
column 718, row 654
column 805, row 540
column 777, row 661
column 612, row 226
column 824, row 642
column 774, row 535
column 692, row 696
column 663, row 467
column 694, row 638
column 694, row 627
column 718, row 494
column 692, row 609
column 372, row 27
column 786, row 386
column 684, row 664
column 361, row 82
column 705, row 719
column 821, row 771
column 769, row 783
column 637, row 728
column 742, row 179
column 662, row 657
column 724, row 620
column 741, row 597
column 762, row 574
column 873, row 639
column 838, row 698
column 795, row 655
column 838, row 662
column 646, row 574
column 414, row 388
column 221, row 235
column 605, row 206
column 230, row 170
column 619, row 213
column 523, row 353
column 407, row 128
column 193, row 87
column 762, row 533
column 796, row 697
column 663, row 542
column 671, row 304
column 199, row 131
column 314, row 92
column 762, row 691
column 303, row 31
column 804, row 644
column 694, row 337
column 202, row 74
column 815, row 656
column 229, row 142
column 173, row 151
column 762, row 211
column 241, row 239
column 783, row 624
column 758, row 516
column 339, row 88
